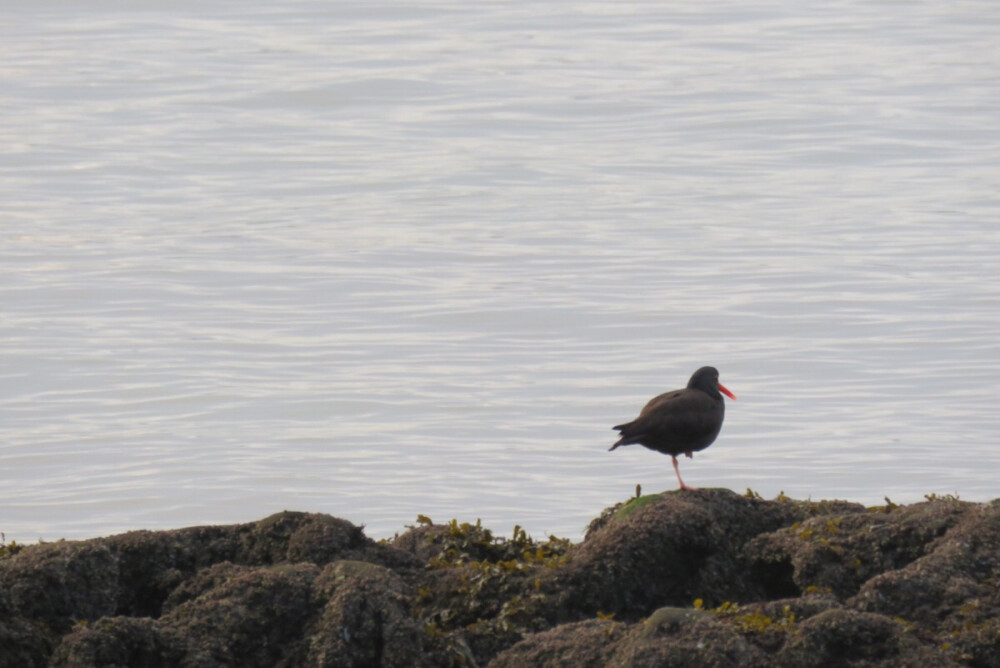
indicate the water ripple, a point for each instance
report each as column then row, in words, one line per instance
column 392, row 259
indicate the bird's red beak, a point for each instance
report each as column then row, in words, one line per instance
column 722, row 388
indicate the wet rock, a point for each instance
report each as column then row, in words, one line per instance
column 838, row 552
column 482, row 593
column 430, row 541
column 769, row 624
column 119, row 642
column 366, row 620
column 61, row 583
column 151, row 564
column 318, row 539
column 676, row 547
column 671, row 638
column 692, row 578
column 848, row 638
column 251, row 616
column 587, row 644
column 950, row 594
column 24, row 644
column 23, row 641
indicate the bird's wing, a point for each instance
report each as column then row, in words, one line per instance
column 675, row 397
column 677, row 414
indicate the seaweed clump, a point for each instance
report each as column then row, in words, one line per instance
column 481, row 592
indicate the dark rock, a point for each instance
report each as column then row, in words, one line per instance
column 951, row 593
column 588, row 644
column 684, row 578
column 849, row 638
column 24, row 645
column 152, row 564
column 838, row 552
column 423, row 542
column 366, row 620
column 319, row 539
column 203, row 581
column 59, row 584
column 671, row 638
column 253, row 616
column 676, row 547
column 118, row 642
column 293, row 536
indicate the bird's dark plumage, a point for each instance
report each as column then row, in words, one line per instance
column 681, row 421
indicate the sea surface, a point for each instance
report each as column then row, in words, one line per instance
column 381, row 259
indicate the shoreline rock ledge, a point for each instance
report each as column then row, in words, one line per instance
column 693, row 578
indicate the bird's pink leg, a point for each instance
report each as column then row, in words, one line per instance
column 678, row 472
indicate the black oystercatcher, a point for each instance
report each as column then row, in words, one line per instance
column 685, row 420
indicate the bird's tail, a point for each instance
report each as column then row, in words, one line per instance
column 626, row 439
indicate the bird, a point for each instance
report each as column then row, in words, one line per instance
column 680, row 421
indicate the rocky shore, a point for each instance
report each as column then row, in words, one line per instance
column 695, row 578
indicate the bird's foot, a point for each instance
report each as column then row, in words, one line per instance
column 688, row 488
column 689, row 455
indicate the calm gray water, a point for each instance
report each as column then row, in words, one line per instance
column 386, row 259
